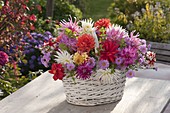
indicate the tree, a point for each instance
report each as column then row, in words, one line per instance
column 49, row 8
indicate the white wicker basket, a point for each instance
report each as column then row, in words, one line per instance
column 92, row 92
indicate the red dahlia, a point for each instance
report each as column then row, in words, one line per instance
column 85, row 43
column 102, row 23
column 57, row 70
column 109, row 50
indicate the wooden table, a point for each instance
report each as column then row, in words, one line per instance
column 43, row 95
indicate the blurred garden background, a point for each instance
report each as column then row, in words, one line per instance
column 26, row 24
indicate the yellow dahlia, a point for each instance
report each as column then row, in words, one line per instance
column 79, row 58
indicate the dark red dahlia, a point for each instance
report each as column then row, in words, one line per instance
column 109, row 50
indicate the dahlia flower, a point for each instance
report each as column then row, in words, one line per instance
column 109, row 50
column 63, row 57
column 73, row 26
column 87, row 27
column 129, row 55
column 116, row 32
column 104, row 22
column 80, row 58
column 84, row 71
column 105, row 75
column 150, row 58
column 133, row 40
column 85, row 43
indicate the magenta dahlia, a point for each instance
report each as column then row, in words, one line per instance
column 84, row 71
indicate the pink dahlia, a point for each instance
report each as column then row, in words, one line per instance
column 116, row 32
column 129, row 55
column 133, row 40
column 3, row 58
column 73, row 26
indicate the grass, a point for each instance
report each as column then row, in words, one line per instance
column 97, row 8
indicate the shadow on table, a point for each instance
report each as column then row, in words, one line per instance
column 65, row 107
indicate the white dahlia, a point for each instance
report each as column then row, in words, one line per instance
column 87, row 26
column 105, row 75
column 63, row 57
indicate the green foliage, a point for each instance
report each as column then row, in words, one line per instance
column 141, row 15
column 120, row 11
column 63, row 9
column 14, row 20
column 33, row 75
column 11, row 79
column 97, row 9
column 81, row 4
column 1, row 4
column 152, row 24
column 43, row 25
column 6, row 87
column 40, row 8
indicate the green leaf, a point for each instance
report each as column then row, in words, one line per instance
column 63, row 46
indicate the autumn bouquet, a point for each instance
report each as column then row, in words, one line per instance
column 95, row 51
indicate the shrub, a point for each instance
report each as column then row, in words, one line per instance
column 10, row 76
column 152, row 23
column 11, row 79
column 81, row 4
column 43, row 25
column 16, row 21
column 63, row 9
column 134, row 15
